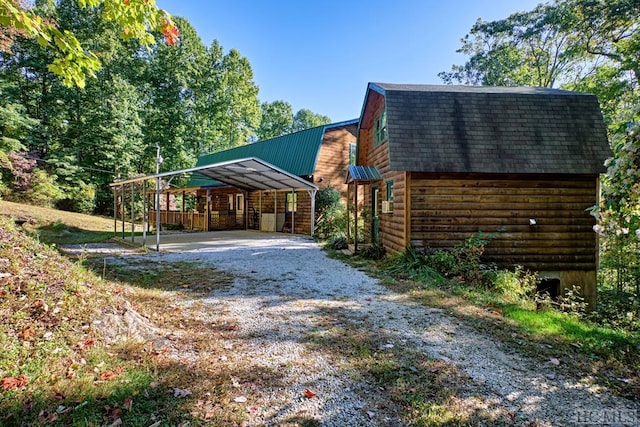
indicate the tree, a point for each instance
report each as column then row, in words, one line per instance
column 137, row 18
column 237, row 105
column 305, row 119
column 526, row 48
column 277, row 119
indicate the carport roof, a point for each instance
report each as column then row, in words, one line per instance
column 246, row 174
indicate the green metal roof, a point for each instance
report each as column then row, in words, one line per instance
column 296, row 153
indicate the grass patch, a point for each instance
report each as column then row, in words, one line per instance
column 58, row 369
column 609, row 356
column 52, row 226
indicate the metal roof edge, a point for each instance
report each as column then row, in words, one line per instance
column 344, row 123
column 198, row 168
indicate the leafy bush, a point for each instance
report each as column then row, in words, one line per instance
column 44, row 191
column 376, row 251
column 337, row 243
column 512, row 285
column 573, row 303
column 81, row 198
column 330, row 215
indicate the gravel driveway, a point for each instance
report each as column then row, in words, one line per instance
column 284, row 289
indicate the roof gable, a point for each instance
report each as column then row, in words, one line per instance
column 493, row 129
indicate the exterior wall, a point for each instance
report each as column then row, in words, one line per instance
column 262, row 202
column 392, row 226
column 333, row 158
column 447, row 209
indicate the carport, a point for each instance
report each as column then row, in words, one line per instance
column 248, row 174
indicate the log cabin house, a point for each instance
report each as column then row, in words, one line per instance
column 441, row 163
column 318, row 155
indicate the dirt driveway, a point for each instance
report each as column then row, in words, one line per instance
column 313, row 323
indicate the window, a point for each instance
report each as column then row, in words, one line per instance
column 292, row 202
column 352, row 154
column 240, row 202
column 381, row 128
column 390, row 191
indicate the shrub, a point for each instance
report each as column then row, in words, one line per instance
column 81, row 198
column 44, row 191
column 376, row 251
column 513, row 285
column 330, row 216
column 337, row 243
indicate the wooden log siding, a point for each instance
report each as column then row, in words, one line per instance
column 333, row 159
column 448, row 209
column 392, row 230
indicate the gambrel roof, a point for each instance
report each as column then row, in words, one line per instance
column 481, row 129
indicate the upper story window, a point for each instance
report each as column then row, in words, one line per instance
column 352, row 154
column 381, row 128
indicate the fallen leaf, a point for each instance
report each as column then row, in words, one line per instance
column 127, row 404
column 26, row 334
column 308, row 393
column 240, row 399
column 107, row 376
column 554, row 361
column 11, row 383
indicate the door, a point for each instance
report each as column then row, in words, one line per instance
column 375, row 220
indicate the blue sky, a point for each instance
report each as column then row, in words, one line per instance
column 321, row 54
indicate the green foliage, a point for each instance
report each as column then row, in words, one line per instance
column 375, row 251
column 337, row 243
column 306, row 119
column 330, row 215
column 71, row 61
column 80, row 198
column 44, row 191
column 512, row 285
column 277, row 120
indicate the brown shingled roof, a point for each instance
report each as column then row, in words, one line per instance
column 493, row 129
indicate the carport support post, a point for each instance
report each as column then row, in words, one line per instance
column 158, row 214
column 293, row 211
column 115, row 210
column 207, row 221
column 122, row 205
column 133, row 225
column 312, row 194
column 144, row 213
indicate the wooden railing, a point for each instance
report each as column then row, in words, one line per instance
column 218, row 220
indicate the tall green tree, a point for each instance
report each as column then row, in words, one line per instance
column 526, row 48
column 171, row 117
column 276, row 120
column 305, row 119
column 237, row 104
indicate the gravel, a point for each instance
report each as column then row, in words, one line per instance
column 284, row 286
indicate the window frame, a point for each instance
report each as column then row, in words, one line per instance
column 390, row 191
column 381, row 133
column 291, row 202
